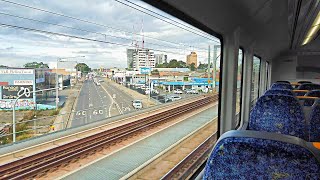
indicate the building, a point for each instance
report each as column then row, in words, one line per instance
column 143, row 58
column 160, row 58
column 192, row 58
column 130, row 58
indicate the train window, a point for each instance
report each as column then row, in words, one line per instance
column 267, row 75
column 104, row 61
column 255, row 79
column 239, row 87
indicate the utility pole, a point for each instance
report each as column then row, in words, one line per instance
column 209, row 67
column 215, row 49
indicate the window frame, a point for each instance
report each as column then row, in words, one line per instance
column 259, row 76
column 241, row 86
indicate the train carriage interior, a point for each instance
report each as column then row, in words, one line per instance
column 264, row 113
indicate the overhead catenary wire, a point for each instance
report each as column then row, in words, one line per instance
column 185, row 25
column 83, row 30
column 79, row 37
column 206, row 37
column 90, row 22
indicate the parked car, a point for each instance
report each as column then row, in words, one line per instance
column 177, row 91
column 175, row 98
column 191, row 91
column 137, row 104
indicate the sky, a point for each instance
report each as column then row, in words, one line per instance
column 100, row 30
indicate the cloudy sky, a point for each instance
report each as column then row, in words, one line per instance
column 100, row 30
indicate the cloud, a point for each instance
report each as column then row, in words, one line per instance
column 121, row 25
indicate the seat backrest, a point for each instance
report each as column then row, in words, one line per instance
column 278, row 113
column 279, row 92
column 287, row 82
column 314, row 123
column 281, row 86
column 313, row 93
column 309, row 86
column 304, row 82
column 256, row 155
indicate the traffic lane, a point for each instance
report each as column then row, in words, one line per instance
column 93, row 104
column 121, row 98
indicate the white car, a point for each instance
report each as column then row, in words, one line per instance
column 175, row 98
column 191, row 91
column 137, row 104
column 177, row 91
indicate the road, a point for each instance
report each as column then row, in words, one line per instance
column 93, row 104
column 121, row 98
column 100, row 102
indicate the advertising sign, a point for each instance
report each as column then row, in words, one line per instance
column 145, row 70
column 22, row 82
column 16, row 71
column 12, row 92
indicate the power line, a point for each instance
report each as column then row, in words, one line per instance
column 185, row 25
column 79, row 37
column 89, row 22
column 166, row 21
column 83, row 30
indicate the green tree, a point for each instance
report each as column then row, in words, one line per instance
column 203, row 66
column 36, row 65
column 192, row 67
column 84, row 68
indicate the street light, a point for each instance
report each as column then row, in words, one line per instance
column 57, row 84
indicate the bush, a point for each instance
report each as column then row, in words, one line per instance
column 54, row 112
column 28, row 115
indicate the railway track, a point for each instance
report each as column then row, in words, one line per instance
column 193, row 161
column 39, row 164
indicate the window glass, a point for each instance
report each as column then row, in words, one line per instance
column 255, row 79
column 267, row 74
column 239, row 87
column 105, row 61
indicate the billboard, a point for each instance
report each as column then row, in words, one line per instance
column 12, row 92
column 145, row 70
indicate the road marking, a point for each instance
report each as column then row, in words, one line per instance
column 112, row 102
column 90, row 105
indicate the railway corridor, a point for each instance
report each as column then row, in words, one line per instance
column 125, row 162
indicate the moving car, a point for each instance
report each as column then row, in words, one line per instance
column 137, row 104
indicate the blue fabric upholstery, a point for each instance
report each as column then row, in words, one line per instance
column 314, row 127
column 278, row 113
column 281, row 86
column 279, row 92
column 313, row 93
column 257, row 158
column 309, row 86
column 287, row 82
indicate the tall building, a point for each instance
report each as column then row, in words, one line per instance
column 160, row 58
column 192, row 58
column 143, row 58
column 130, row 58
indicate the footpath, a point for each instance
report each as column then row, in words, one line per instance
column 62, row 119
column 134, row 94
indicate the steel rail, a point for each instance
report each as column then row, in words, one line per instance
column 44, row 161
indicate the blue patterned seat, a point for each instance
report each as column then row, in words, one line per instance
column 278, row 113
column 314, row 124
column 313, row 93
column 279, row 92
column 287, row 82
column 309, row 86
column 281, row 86
column 261, row 155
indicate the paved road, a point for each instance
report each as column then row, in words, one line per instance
column 123, row 99
column 93, row 104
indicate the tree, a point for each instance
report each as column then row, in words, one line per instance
column 192, row 67
column 84, row 68
column 36, row 65
column 203, row 66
